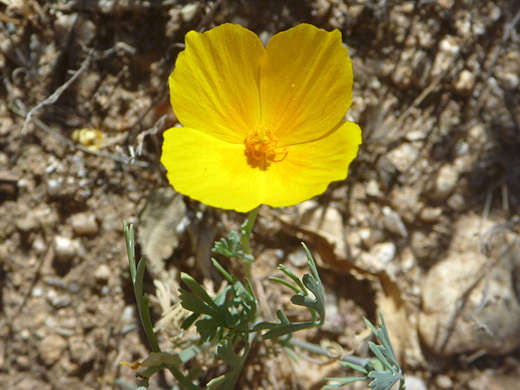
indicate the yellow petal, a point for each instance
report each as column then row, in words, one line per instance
column 306, row 84
column 214, row 86
column 212, row 171
column 308, row 168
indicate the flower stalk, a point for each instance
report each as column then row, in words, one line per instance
column 245, row 236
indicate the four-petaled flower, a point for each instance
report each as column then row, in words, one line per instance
column 262, row 125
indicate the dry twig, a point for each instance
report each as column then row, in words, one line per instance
column 59, row 91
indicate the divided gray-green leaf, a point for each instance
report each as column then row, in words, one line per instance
column 309, row 282
column 383, row 380
column 236, row 362
column 383, row 371
column 342, row 382
column 230, row 246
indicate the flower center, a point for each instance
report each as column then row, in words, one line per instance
column 262, row 148
column 261, row 143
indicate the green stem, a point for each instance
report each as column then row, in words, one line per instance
column 245, row 235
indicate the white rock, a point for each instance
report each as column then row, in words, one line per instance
column 416, row 135
column 448, row 49
column 414, row 383
column 298, row 258
column 444, row 382
column 53, row 186
column 403, row 156
column 372, row 189
column 64, row 22
column 65, row 248
column 105, row 6
column 102, row 274
column 449, row 45
column 465, row 81
column 384, row 251
column 37, row 292
column 84, row 224
column 189, row 11
column 445, row 183
column 456, row 202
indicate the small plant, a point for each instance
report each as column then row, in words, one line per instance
column 262, row 125
column 228, row 322
column 382, row 371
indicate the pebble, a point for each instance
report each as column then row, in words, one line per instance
column 61, row 301
column 446, row 4
column 189, row 11
column 64, row 23
column 445, row 183
column 510, row 80
column 465, row 81
column 80, row 351
column 430, row 214
column 23, row 362
column 65, row 248
column 84, row 29
column 25, row 334
column 456, row 202
column 53, row 186
column 372, row 189
column 406, row 202
column 403, row 156
column 392, row 222
column 84, row 224
column 39, row 246
column 128, row 319
column 51, row 348
column 444, row 382
column 448, row 49
column 26, row 224
column 423, row 246
column 31, row 383
column 414, row 383
column 111, row 222
column 481, row 382
column 102, row 274
column 36, row 292
column 384, row 252
column 6, row 123
column 298, row 258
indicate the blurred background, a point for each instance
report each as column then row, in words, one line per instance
column 425, row 229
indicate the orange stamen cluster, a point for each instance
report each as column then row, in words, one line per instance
column 261, row 143
column 262, row 146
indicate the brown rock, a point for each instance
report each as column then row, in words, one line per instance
column 468, row 299
column 51, row 348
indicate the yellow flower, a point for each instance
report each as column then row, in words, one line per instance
column 262, row 125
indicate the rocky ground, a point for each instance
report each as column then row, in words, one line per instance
column 425, row 229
